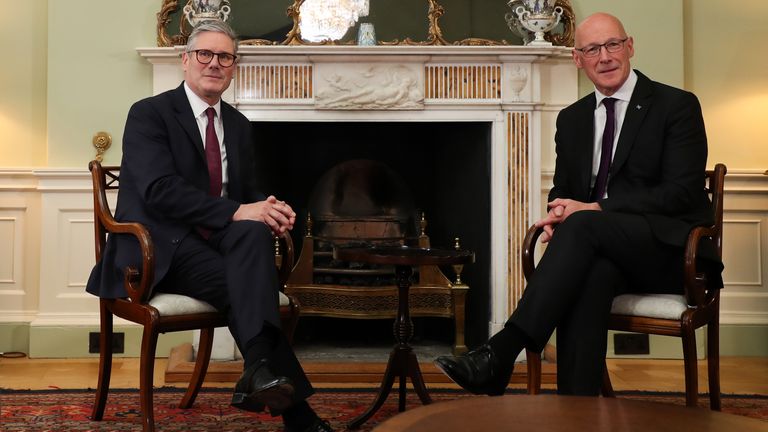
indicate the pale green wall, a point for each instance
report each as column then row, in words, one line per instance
column 657, row 29
column 23, row 40
column 727, row 67
column 94, row 72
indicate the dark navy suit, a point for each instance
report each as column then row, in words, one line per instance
column 164, row 186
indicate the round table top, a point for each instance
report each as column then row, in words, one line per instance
column 544, row 413
column 405, row 255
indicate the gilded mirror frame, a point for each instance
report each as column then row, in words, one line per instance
column 434, row 32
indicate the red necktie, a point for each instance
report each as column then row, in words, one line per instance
column 213, row 154
column 606, row 154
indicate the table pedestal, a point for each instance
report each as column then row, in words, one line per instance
column 402, row 362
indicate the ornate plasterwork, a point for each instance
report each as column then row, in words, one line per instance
column 293, row 37
column 370, row 87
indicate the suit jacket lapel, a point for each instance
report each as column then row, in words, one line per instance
column 585, row 140
column 186, row 118
column 636, row 111
column 231, row 139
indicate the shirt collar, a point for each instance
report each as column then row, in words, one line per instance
column 624, row 93
column 198, row 105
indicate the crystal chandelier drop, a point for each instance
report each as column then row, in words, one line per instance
column 330, row 19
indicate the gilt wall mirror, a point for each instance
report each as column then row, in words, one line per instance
column 405, row 22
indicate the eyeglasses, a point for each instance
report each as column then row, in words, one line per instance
column 612, row 46
column 205, row 56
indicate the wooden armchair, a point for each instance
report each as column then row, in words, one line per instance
column 664, row 314
column 159, row 313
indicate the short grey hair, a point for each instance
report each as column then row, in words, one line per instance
column 217, row 26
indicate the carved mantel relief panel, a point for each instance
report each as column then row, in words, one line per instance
column 377, row 86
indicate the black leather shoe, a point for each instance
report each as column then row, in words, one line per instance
column 259, row 387
column 319, row 425
column 477, row 371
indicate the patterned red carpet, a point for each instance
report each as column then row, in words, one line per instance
column 66, row 410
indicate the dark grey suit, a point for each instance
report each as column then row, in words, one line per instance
column 655, row 197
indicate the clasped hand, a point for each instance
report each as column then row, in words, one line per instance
column 278, row 215
column 559, row 210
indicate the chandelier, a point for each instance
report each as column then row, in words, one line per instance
column 330, row 19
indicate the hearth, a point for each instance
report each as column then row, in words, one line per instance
column 378, row 183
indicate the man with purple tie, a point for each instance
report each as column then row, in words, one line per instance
column 187, row 174
column 627, row 189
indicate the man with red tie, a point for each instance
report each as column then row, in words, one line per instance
column 187, row 174
column 627, row 189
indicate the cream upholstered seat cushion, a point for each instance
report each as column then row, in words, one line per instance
column 664, row 306
column 177, row 304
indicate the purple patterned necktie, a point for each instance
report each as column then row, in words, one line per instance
column 213, row 154
column 606, row 154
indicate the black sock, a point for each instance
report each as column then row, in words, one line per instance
column 508, row 343
column 299, row 417
column 260, row 346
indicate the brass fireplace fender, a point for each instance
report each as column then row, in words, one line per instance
column 431, row 295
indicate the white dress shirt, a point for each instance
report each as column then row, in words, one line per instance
column 199, row 107
column 622, row 97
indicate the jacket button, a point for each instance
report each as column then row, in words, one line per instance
column 175, row 241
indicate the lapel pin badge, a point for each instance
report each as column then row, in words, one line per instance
column 638, row 106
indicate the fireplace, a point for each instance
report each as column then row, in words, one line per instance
column 440, row 170
column 511, row 93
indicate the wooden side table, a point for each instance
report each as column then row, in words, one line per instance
column 402, row 360
column 551, row 413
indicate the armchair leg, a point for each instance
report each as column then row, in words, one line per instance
column 533, row 362
column 201, row 366
column 146, row 375
column 689, row 359
column 105, row 361
column 289, row 316
column 713, row 362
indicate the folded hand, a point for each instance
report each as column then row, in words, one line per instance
column 278, row 215
column 559, row 210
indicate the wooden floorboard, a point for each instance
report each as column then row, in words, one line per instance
column 739, row 375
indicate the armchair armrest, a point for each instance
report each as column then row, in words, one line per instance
column 137, row 282
column 529, row 249
column 694, row 281
column 284, row 255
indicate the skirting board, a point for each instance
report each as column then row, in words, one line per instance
column 181, row 364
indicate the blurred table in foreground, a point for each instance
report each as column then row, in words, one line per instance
column 545, row 413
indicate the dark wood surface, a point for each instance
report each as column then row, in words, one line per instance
column 544, row 413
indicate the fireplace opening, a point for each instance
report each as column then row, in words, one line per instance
column 446, row 168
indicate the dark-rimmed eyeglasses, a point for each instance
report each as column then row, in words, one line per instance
column 205, row 56
column 612, row 46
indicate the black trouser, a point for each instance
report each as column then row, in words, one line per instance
column 234, row 271
column 592, row 257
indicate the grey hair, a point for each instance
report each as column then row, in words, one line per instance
column 217, row 26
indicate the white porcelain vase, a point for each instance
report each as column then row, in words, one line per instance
column 197, row 11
